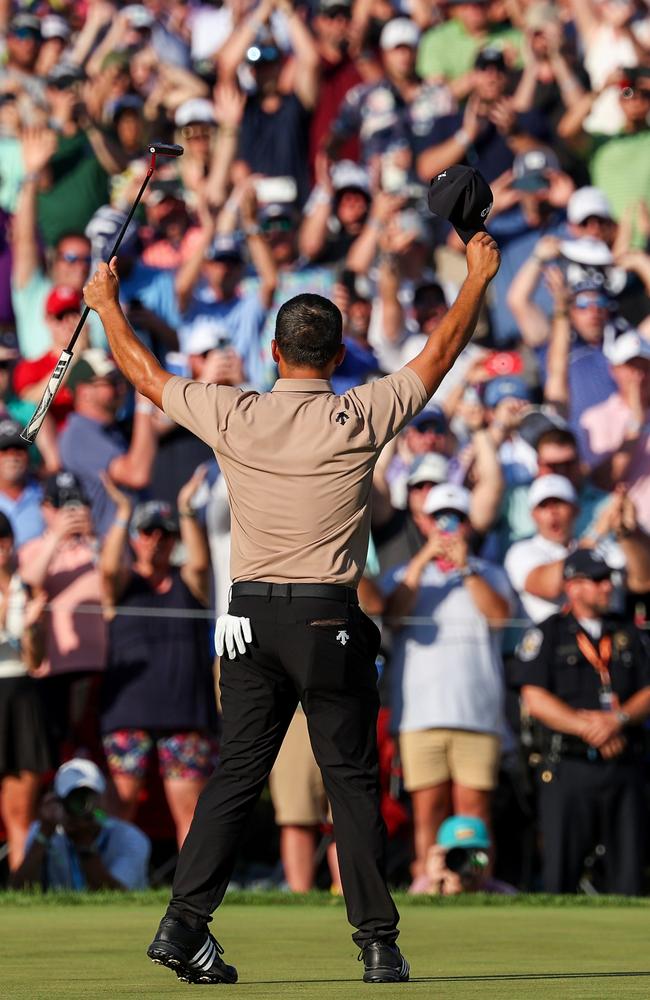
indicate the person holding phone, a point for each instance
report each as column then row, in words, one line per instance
column 447, row 687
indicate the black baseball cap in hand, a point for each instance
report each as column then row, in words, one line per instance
column 461, row 195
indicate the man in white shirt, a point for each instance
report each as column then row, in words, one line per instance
column 535, row 565
column 446, row 671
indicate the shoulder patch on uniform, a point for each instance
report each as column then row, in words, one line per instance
column 530, row 644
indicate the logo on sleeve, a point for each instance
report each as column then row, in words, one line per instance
column 530, row 645
column 342, row 417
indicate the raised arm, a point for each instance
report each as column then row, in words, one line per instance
column 136, row 363
column 306, row 76
column 532, row 321
column 456, row 329
column 38, row 146
column 195, row 571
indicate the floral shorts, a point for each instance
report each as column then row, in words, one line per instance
column 180, row 755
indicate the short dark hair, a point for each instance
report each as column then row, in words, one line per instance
column 308, row 331
column 70, row 235
column 431, row 288
column 556, row 435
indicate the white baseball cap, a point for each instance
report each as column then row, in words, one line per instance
column 78, row 773
column 197, row 109
column 587, row 201
column 429, row 468
column 399, row 31
column 447, row 496
column 551, row 487
column 627, row 346
column 54, row 26
column 206, row 335
column 348, row 174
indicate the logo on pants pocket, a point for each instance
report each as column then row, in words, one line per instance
column 342, row 637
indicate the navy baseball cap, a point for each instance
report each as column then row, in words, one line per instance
column 586, row 563
column 463, row 196
column 505, row 387
column 431, row 414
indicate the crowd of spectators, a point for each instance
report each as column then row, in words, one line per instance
column 311, row 131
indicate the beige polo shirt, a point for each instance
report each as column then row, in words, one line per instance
column 298, row 462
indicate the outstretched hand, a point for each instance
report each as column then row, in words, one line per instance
column 483, row 257
column 103, row 289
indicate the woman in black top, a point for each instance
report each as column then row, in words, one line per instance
column 159, row 684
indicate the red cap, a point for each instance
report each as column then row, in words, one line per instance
column 62, row 299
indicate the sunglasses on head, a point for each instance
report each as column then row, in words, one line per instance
column 74, row 258
column 587, row 301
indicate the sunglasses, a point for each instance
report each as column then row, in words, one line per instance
column 197, row 131
column 66, row 313
column 24, row 33
column 449, row 521
column 74, row 258
column 277, row 226
column 148, row 532
column 591, row 302
column 431, row 426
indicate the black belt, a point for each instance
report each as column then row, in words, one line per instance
column 328, row 591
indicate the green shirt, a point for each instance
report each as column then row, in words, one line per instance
column 620, row 165
column 449, row 50
column 79, row 188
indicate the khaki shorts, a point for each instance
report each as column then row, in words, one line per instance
column 296, row 783
column 433, row 756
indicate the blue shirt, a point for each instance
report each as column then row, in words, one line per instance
column 155, row 289
column 516, row 242
column 490, row 154
column 24, row 513
column 122, row 847
column 590, row 379
column 359, row 362
column 88, row 448
column 302, row 277
column 242, row 317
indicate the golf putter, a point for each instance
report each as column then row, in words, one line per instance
column 30, row 432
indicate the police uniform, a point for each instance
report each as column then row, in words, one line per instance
column 584, row 799
column 298, row 462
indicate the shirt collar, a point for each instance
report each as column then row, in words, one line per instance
column 302, row 385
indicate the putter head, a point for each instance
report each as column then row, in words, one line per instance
column 165, row 149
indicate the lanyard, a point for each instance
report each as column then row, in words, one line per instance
column 599, row 658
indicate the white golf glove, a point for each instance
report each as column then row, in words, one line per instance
column 232, row 634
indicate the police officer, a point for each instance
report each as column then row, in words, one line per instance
column 585, row 676
column 298, row 462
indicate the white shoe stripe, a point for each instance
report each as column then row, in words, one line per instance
column 208, row 958
column 205, row 947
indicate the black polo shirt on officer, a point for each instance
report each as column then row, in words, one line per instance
column 548, row 657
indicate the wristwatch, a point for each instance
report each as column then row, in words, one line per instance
column 623, row 718
column 466, row 571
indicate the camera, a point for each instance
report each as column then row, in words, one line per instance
column 465, row 861
column 80, row 803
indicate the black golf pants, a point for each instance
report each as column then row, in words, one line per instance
column 321, row 652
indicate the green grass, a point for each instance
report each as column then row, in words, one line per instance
column 286, row 948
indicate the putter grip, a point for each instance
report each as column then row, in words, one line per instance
column 31, row 430
column 165, row 149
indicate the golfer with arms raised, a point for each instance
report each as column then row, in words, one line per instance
column 298, row 462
